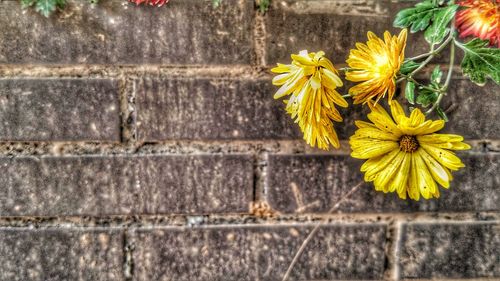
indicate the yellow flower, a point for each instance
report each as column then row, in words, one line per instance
column 310, row 81
column 404, row 153
column 376, row 65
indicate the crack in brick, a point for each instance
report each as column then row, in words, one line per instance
column 299, row 200
column 128, row 263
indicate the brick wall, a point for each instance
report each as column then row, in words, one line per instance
column 134, row 142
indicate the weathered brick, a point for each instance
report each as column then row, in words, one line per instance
column 59, row 110
column 450, row 250
column 109, row 185
column 114, row 32
column 314, row 183
column 60, row 254
column 331, row 26
column 473, row 110
column 259, row 253
column 210, row 109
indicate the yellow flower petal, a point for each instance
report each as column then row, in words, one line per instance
column 281, row 79
column 304, row 60
column 426, row 184
column 327, row 64
column 459, row 146
column 363, row 124
column 364, row 150
column 282, row 68
column 416, row 117
column 374, row 168
column 452, row 145
column 413, row 190
column 375, row 133
column 384, row 123
column 439, row 138
column 318, row 55
column 444, row 157
column 396, row 110
column 336, row 98
column 437, row 171
column 331, row 79
column 434, row 126
column 385, row 175
column 402, row 41
column 398, row 183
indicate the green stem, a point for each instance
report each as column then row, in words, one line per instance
column 421, row 85
column 434, row 52
column 421, row 56
column 450, row 68
column 424, row 63
column 442, row 90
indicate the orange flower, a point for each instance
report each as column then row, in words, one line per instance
column 480, row 19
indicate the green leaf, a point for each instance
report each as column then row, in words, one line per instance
column 408, row 66
column 417, row 18
column 441, row 114
column 27, row 3
column 410, row 92
column 439, row 28
column 216, row 3
column 480, row 62
column 61, row 3
column 264, row 5
column 436, row 75
column 46, row 7
column 426, row 97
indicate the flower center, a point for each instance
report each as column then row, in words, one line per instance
column 408, row 143
column 382, row 66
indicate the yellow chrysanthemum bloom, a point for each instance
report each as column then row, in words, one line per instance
column 404, row 153
column 311, row 81
column 376, row 65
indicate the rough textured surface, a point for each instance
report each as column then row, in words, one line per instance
column 332, row 26
column 118, row 32
column 96, row 185
column 87, row 109
column 61, row 254
column 451, row 251
column 472, row 110
column 180, row 108
column 143, row 143
column 259, row 253
column 210, row 109
column 59, row 109
column 314, row 183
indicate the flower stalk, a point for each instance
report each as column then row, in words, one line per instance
column 442, row 90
